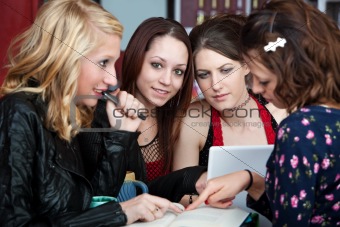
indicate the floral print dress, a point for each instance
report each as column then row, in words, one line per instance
column 303, row 172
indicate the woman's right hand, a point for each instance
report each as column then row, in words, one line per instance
column 146, row 207
column 220, row 191
column 125, row 115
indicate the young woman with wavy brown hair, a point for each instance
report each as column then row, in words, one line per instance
column 293, row 52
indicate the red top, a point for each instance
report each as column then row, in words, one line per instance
column 265, row 117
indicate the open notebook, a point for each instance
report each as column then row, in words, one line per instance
column 202, row 216
column 227, row 159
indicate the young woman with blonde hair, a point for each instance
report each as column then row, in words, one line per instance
column 59, row 68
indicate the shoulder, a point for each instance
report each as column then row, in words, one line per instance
column 199, row 106
column 20, row 104
column 309, row 126
column 312, row 116
column 198, row 111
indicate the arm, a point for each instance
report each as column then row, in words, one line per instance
column 25, row 148
column 17, row 148
column 177, row 183
column 117, row 156
column 194, row 131
column 220, row 191
column 108, row 155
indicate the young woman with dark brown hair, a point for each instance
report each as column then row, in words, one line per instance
column 293, row 52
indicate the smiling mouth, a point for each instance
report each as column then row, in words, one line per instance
column 161, row 91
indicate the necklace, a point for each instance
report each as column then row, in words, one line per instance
column 241, row 105
column 149, row 132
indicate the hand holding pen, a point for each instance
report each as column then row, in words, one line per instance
column 107, row 95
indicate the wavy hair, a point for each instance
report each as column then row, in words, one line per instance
column 307, row 68
column 50, row 52
column 168, row 121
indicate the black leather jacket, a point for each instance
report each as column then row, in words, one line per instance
column 43, row 179
column 171, row 186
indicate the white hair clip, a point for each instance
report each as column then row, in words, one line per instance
column 280, row 42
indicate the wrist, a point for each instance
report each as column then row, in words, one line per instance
column 257, row 187
column 250, row 179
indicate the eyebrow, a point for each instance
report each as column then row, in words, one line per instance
column 220, row 67
column 162, row 59
column 227, row 64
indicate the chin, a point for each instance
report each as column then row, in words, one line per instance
column 278, row 105
column 89, row 103
column 158, row 103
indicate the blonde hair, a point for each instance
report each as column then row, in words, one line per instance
column 50, row 51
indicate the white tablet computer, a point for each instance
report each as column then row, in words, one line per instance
column 228, row 159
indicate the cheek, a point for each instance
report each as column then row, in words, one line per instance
column 81, row 84
column 178, row 82
column 139, row 82
column 203, row 84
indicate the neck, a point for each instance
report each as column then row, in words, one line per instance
column 243, row 104
column 244, row 112
column 148, row 130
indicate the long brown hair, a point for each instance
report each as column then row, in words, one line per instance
column 169, row 115
column 307, row 67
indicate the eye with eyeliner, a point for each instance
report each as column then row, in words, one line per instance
column 264, row 83
column 179, row 72
column 227, row 70
column 156, row 65
column 103, row 63
column 202, row 74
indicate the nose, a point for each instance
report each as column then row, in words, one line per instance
column 257, row 88
column 165, row 78
column 216, row 82
column 110, row 77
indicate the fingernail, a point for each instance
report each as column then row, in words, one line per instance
column 206, row 202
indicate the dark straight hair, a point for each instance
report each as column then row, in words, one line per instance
column 168, row 115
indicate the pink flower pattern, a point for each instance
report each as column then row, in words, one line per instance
column 305, row 161
column 317, row 219
column 294, row 201
column 316, row 167
column 330, row 197
column 297, row 187
column 294, row 161
column 310, row 134
column 303, row 194
column 325, row 163
column 336, row 206
column 305, row 122
column 328, row 139
column 282, row 159
column 280, row 133
column 282, row 198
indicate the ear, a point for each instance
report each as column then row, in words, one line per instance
column 246, row 69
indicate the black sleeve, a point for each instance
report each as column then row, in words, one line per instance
column 262, row 205
column 110, row 215
column 109, row 153
column 175, row 185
